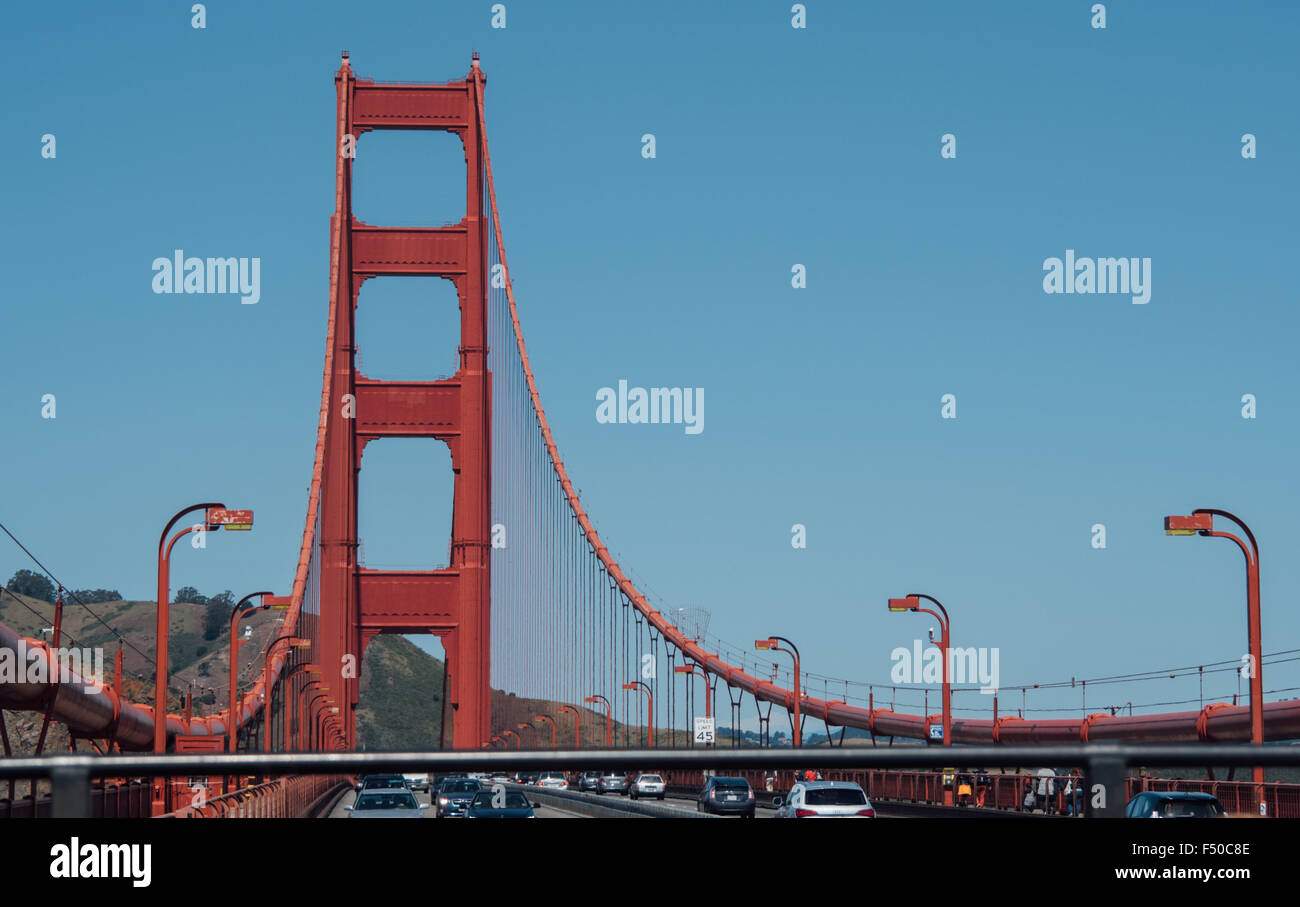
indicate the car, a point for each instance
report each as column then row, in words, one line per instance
column 437, row 779
column 386, row 803
column 726, row 796
column 611, row 783
column 554, row 780
column 453, row 796
column 500, row 805
column 525, row 777
column 498, row 778
column 1174, row 805
column 383, row 782
column 826, row 799
column 647, row 786
column 589, row 781
column 416, row 780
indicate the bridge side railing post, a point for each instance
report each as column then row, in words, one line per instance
column 71, row 792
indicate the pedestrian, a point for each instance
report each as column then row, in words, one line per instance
column 981, row 788
column 1046, row 789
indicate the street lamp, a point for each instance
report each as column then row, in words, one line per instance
column 290, row 698
column 1201, row 522
column 512, row 734
column 772, row 644
column 303, row 707
column 532, row 744
column 609, row 737
column 913, row 603
column 577, row 727
column 551, row 721
column 708, row 693
column 268, row 682
column 650, row 707
column 216, row 515
column 322, row 692
column 236, row 615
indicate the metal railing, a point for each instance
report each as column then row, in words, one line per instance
column 1105, row 766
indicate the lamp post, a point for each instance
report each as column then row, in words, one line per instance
column 1201, row 522
column 532, row 743
column 313, row 741
column 772, row 644
column 708, row 694
column 289, row 700
column 303, row 707
column 609, row 736
column 551, row 721
column 268, row 682
column 577, row 727
column 650, row 707
column 512, row 734
column 236, row 615
column 912, row 602
column 216, row 515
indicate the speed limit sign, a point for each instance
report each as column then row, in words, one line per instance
column 704, row 730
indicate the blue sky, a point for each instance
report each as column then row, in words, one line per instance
column 775, row 146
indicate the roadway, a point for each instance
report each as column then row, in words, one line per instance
column 349, row 797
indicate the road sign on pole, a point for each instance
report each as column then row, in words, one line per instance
column 704, row 729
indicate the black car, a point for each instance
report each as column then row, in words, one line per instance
column 453, row 796
column 500, row 805
column 726, row 796
column 382, row 782
column 1174, row 805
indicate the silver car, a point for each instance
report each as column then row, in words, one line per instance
column 647, row 786
column 386, row 804
column 825, row 800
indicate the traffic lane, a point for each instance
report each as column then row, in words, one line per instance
column 688, row 805
column 350, row 797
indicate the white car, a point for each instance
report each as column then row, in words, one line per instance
column 647, row 786
column 826, row 799
column 553, row 779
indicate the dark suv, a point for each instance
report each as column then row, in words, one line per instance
column 726, row 796
column 1174, row 805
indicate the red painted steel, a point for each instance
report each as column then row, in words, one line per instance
column 453, row 603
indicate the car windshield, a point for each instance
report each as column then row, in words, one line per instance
column 834, row 796
column 1190, row 809
column 460, row 787
column 651, row 779
column 513, row 800
column 731, row 783
column 552, row 776
column 387, row 801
